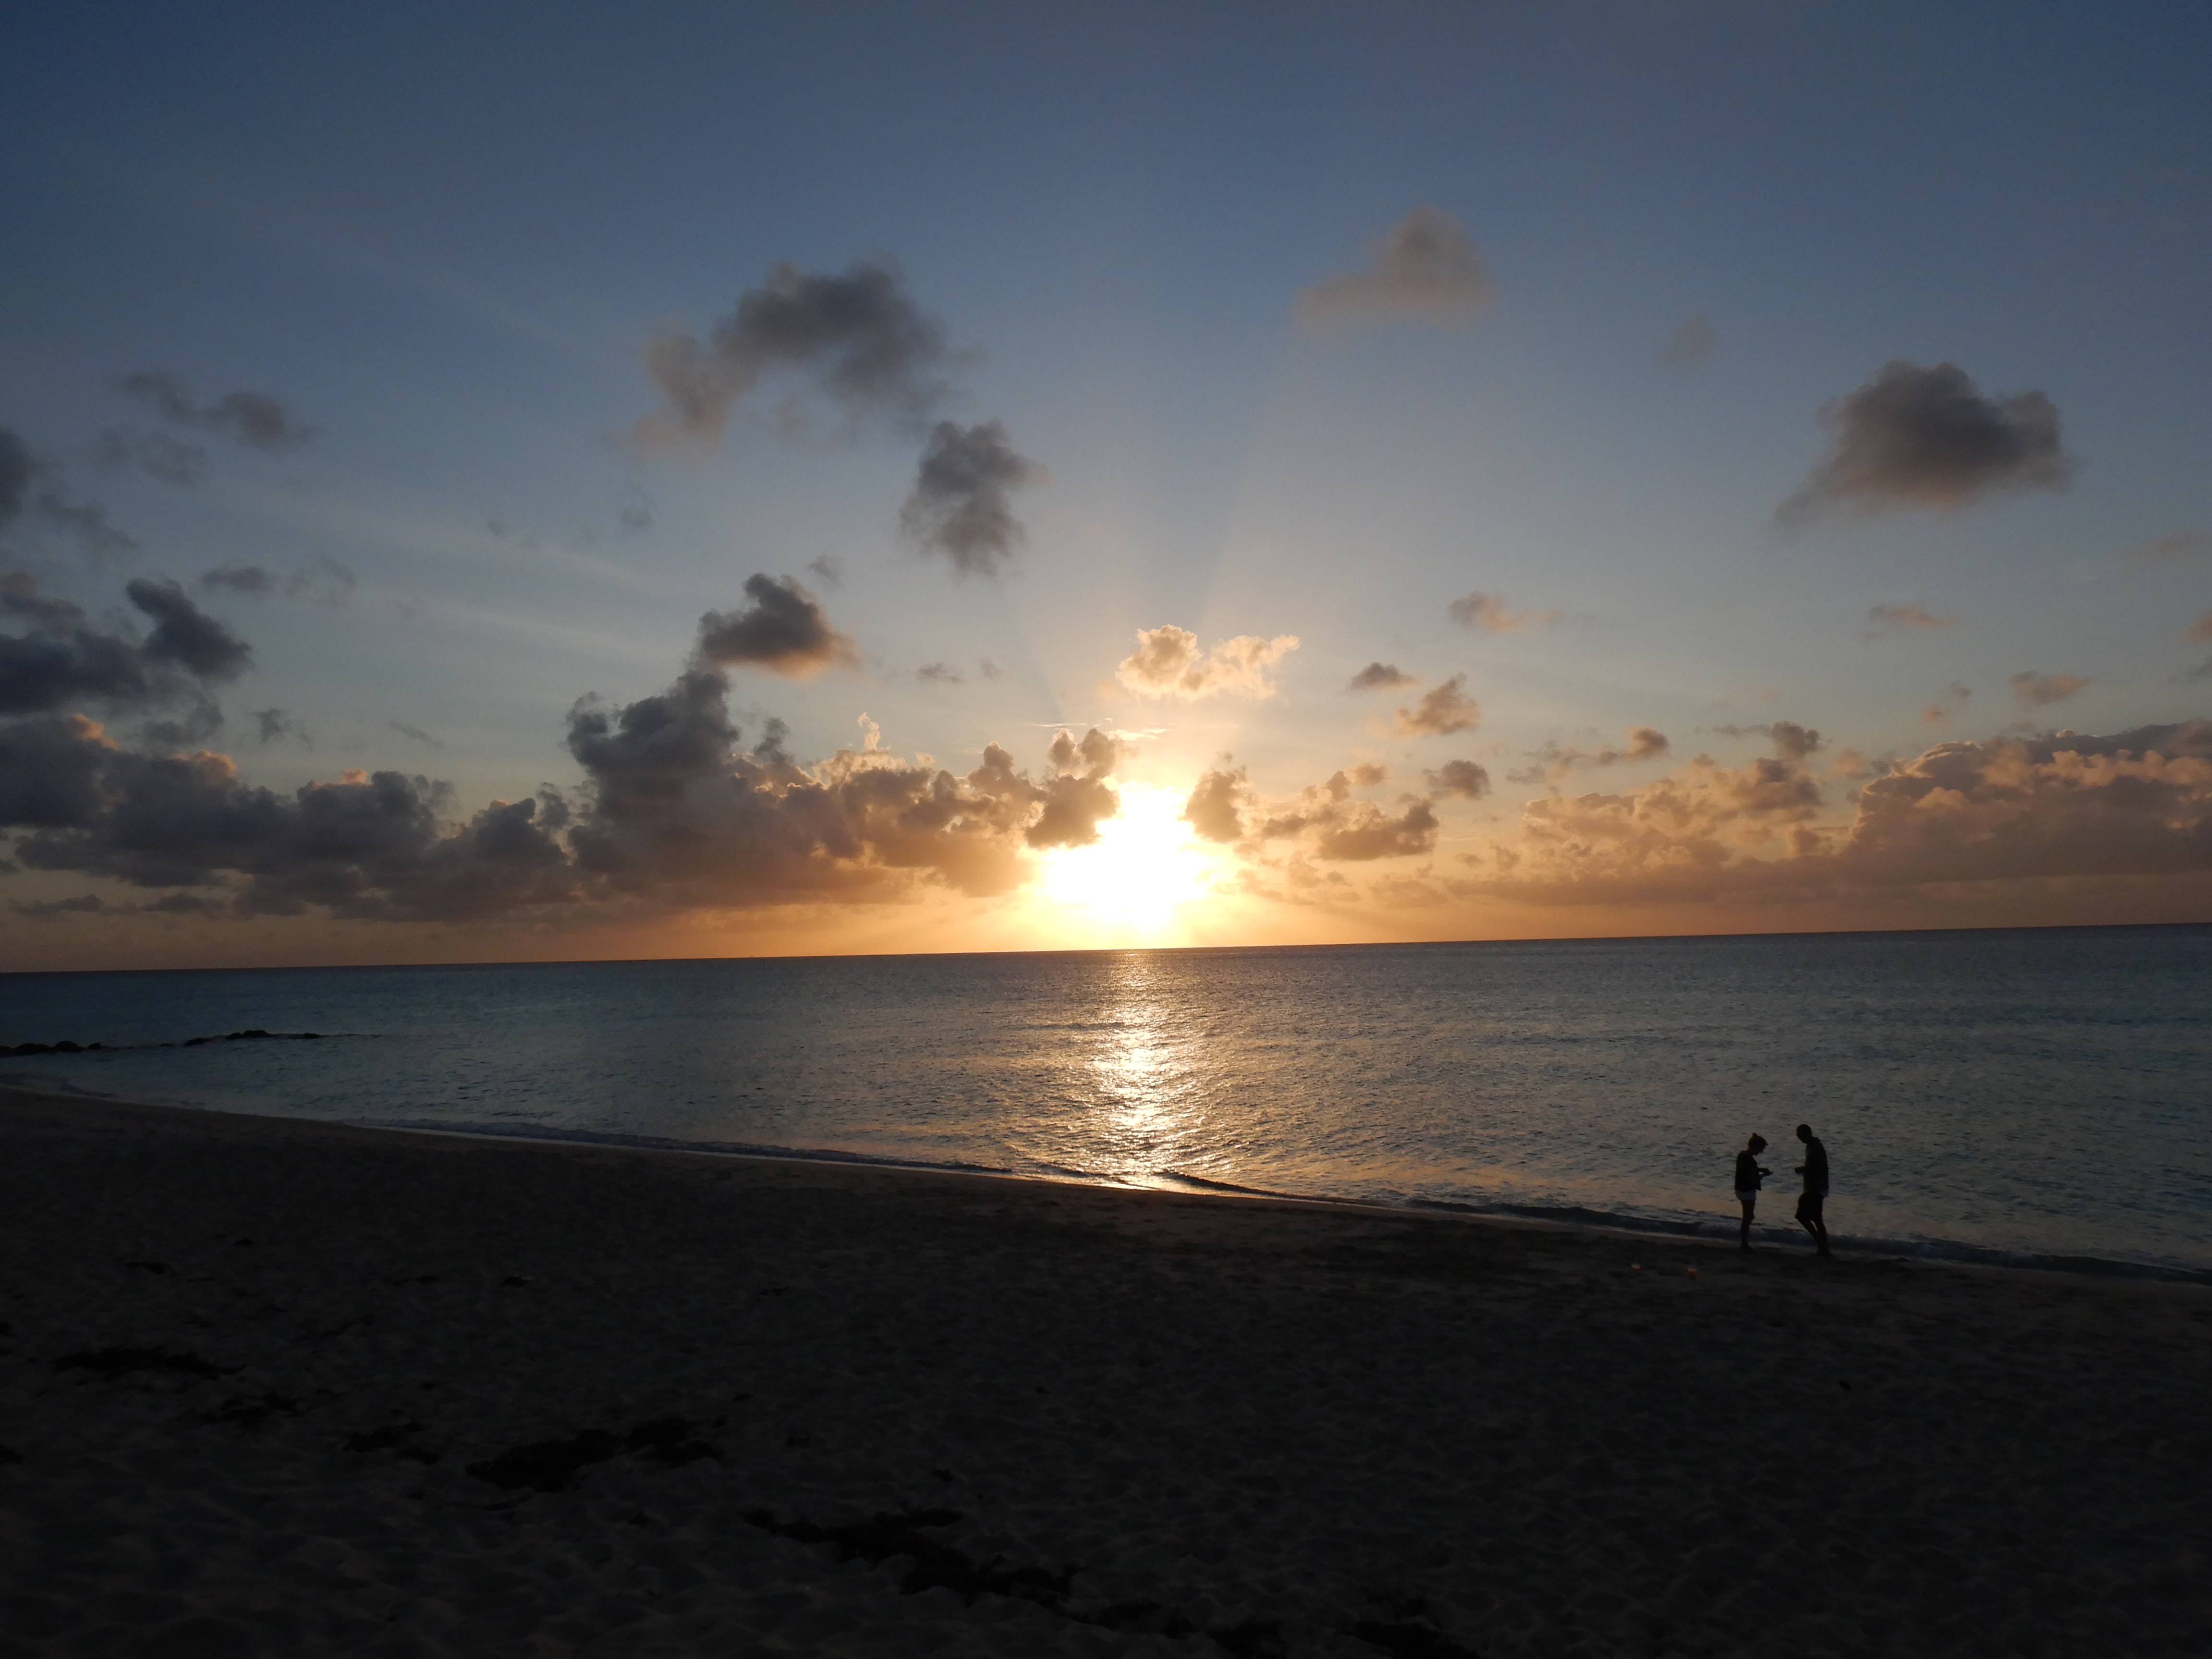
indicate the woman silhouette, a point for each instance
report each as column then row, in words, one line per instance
column 1748, row 1175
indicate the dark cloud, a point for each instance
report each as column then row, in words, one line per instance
column 252, row 418
column 324, row 582
column 1381, row 676
column 1078, row 797
column 1461, row 777
column 18, row 471
column 784, row 630
column 673, row 813
column 251, row 579
column 941, row 673
column 1915, row 436
column 2136, row 803
column 1486, row 613
column 1367, row 832
column 1424, row 270
column 61, row 659
column 2034, row 690
column 1553, row 762
column 830, row 568
column 961, row 505
column 1215, row 807
column 1691, row 346
column 1791, row 741
column 49, row 769
column 158, row 455
column 1442, row 711
column 416, row 732
column 857, row 339
column 272, row 724
column 1326, row 823
column 32, row 495
column 1903, row 618
column 184, row 633
column 678, row 815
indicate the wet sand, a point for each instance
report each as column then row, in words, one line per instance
column 288, row 1389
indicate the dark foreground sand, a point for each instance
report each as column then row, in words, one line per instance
column 275, row 1387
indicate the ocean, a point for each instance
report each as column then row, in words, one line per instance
column 2034, row 1095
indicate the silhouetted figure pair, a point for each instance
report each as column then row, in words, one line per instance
column 1749, row 1172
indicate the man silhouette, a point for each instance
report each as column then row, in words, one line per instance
column 1815, row 1169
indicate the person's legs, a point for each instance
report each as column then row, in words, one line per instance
column 1809, row 1217
column 1743, row 1232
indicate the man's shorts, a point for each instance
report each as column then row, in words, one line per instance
column 1808, row 1206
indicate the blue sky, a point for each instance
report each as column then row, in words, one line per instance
column 441, row 237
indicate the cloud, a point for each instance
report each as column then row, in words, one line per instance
column 1463, row 778
column 2199, row 630
column 1791, row 741
column 2040, row 690
column 61, row 659
column 1328, row 824
column 1486, row 613
column 1215, row 809
column 1077, row 797
column 326, row 581
column 272, row 724
column 673, row 812
column 961, row 505
column 1169, row 662
column 1424, row 270
column 784, row 630
column 1381, row 676
column 1903, row 618
column 164, row 458
column 1955, row 694
column 1926, row 437
column 18, row 471
column 1553, row 762
column 1691, row 346
column 252, row 418
column 942, row 673
column 184, row 633
column 2175, row 547
column 416, row 732
column 31, row 495
column 830, row 568
column 857, row 339
column 1442, row 711
column 2138, row 802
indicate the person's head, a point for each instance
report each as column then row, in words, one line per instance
column 1804, row 1132
column 1757, row 1144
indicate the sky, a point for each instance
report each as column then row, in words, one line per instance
column 498, row 482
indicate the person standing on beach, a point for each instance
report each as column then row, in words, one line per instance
column 1748, row 1175
column 1815, row 1169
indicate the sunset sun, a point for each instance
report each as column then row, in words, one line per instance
column 1143, row 869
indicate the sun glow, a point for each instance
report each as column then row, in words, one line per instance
column 1132, row 881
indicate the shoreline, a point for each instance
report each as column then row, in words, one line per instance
column 275, row 1386
column 1782, row 1236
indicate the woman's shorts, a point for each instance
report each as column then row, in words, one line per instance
column 1743, row 1197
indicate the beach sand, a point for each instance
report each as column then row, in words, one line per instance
column 288, row 1389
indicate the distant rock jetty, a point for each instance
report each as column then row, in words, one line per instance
column 26, row 1051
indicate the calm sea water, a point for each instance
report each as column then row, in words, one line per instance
column 2041, row 1092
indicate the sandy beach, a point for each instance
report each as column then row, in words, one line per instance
column 289, row 1389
